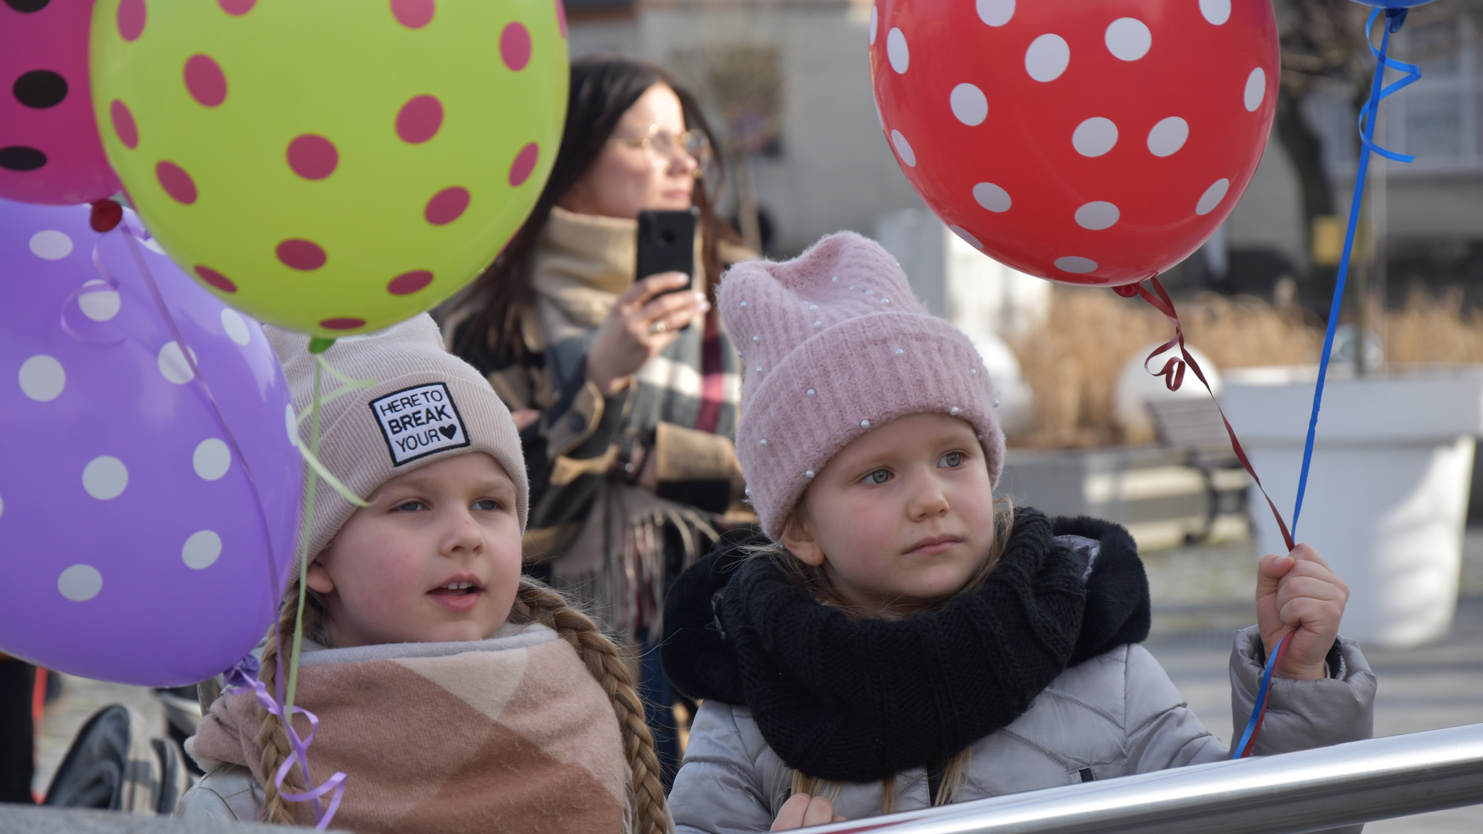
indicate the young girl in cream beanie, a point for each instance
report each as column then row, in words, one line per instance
column 455, row 694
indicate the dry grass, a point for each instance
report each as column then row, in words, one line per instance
column 1072, row 365
column 1434, row 329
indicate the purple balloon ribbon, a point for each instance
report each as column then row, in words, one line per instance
column 244, row 676
column 71, row 303
column 246, row 670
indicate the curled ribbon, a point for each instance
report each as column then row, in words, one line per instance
column 1173, row 374
column 244, row 676
column 1394, row 19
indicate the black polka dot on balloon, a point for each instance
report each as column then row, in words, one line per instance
column 40, row 89
column 21, row 158
column 27, row 5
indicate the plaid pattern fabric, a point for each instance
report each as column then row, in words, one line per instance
column 114, row 764
column 601, row 539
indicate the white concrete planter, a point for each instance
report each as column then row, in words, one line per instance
column 1387, row 491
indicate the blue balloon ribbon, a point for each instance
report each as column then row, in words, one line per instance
column 1395, row 17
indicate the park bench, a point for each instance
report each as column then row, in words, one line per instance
column 1193, row 427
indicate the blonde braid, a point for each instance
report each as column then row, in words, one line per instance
column 271, row 736
column 540, row 604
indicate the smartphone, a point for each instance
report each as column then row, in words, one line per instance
column 666, row 243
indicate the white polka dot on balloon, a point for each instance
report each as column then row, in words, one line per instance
column 1097, row 215
column 201, row 550
column 1128, row 39
column 1168, row 136
column 992, row 197
column 1216, row 11
column 51, row 245
column 1075, row 264
column 98, row 301
column 291, row 422
column 42, row 378
column 995, row 12
column 211, row 459
column 105, row 477
column 235, row 326
column 80, row 583
column 966, row 236
column 1094, row 137
column 896, row 51
column 1212, row 197
column 874, row 22
column 969, row 104
column 173, row 366
column 1047, row 57
column 1256, row 89
column 903, row 148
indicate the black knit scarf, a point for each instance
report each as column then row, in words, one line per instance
column 860, row 699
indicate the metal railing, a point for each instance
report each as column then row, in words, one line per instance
column 1295, row 792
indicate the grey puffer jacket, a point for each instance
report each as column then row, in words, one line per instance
column 1117, row 714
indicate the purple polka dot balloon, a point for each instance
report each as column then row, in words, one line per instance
column 145, row 534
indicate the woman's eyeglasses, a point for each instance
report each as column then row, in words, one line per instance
column 662, row 144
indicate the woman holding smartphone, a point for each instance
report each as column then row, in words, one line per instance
column 625, row 386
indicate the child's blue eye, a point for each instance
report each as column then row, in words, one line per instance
column 879, row 476
column 409, row 506
column 486, row 504
column 952, row 460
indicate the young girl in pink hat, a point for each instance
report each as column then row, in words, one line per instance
column 896, row 637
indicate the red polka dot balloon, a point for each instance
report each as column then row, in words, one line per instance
column 49, row 148
column 331, row 166
column 1092, row 142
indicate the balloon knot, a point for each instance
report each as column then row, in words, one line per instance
column 1127, row 290
column 107, row 214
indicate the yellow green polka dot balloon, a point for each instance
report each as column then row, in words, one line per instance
column 332, row 166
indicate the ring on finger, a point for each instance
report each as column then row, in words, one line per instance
column 659, row 327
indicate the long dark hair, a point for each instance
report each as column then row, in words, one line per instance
column 602, row 90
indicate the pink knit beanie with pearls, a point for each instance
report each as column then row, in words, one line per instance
column 834, row 343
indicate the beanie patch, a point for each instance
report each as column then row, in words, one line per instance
column 419, row 421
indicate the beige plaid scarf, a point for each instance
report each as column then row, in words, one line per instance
column 506, row 734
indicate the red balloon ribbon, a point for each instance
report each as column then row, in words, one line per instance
column 1173, row 374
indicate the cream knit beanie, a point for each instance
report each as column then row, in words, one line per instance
column 426, row 405
column 833, row 342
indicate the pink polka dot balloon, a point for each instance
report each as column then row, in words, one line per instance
column 142, row 539
column 1092, row 142
column 49, row 147
column 331, row 166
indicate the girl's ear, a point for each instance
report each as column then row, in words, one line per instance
column 800, row 541
column 318, row 578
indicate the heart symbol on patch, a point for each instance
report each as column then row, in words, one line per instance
column 448, row 431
